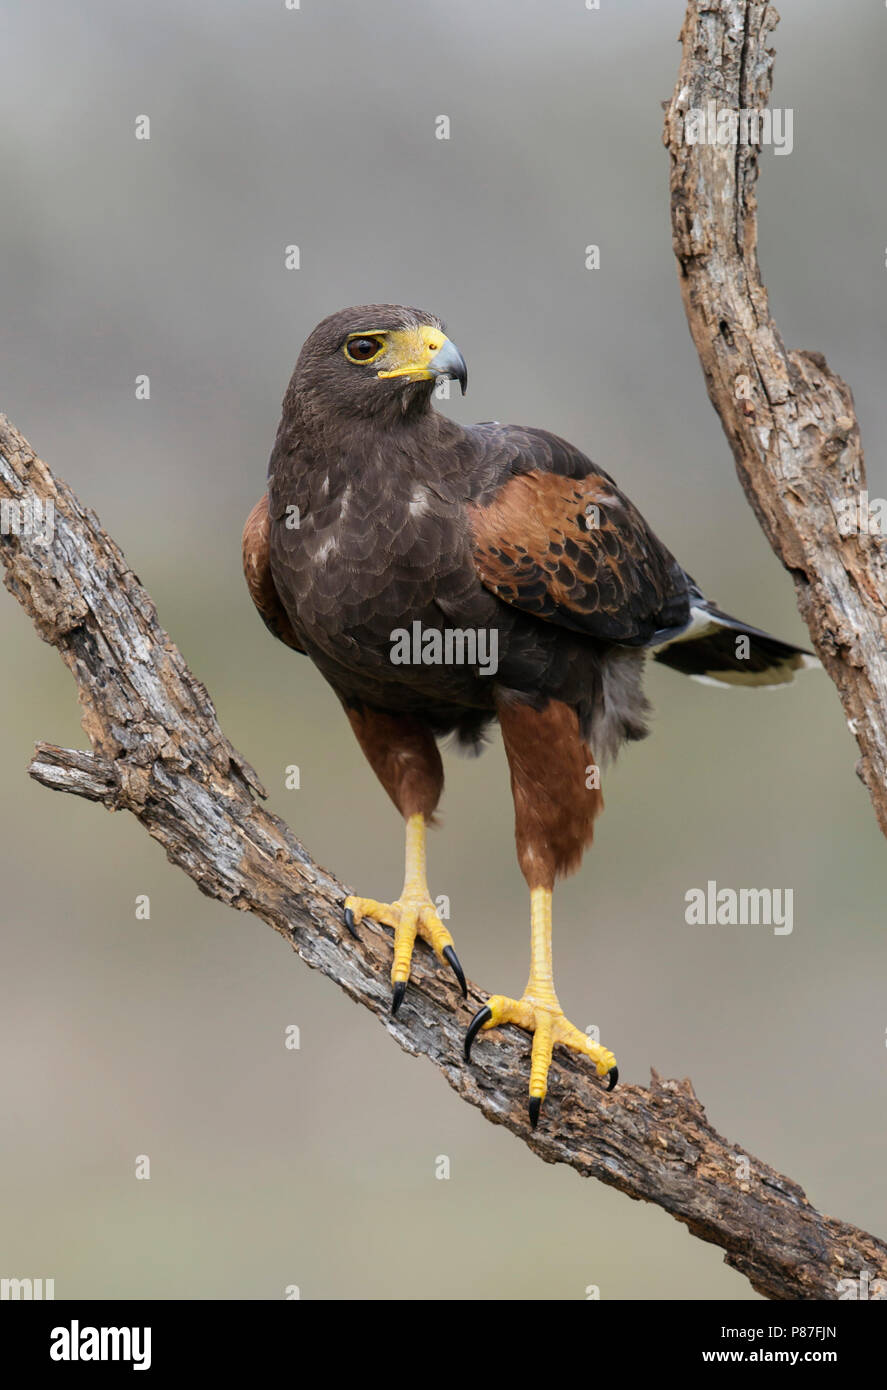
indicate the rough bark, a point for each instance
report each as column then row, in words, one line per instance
column 158, row 752
column 790, row 420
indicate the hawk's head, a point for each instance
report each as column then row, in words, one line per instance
column 376, row 359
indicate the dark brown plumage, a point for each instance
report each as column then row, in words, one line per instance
column 382, row 514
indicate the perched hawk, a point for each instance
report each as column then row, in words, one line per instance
column 441, row 578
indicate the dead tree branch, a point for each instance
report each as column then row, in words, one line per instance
column 790, row 421
column 158, row 752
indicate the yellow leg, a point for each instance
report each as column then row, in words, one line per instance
column 540, row 1013
column 412, row 914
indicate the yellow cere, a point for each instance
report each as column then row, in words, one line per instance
column 410, row 350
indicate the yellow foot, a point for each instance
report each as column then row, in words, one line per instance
column 410, row 916
column 549, row 1026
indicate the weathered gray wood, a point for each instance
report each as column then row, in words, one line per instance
column 790, row 421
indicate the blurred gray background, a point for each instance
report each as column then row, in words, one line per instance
column 121, row 1037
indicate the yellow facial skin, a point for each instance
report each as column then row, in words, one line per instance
column 405, row 352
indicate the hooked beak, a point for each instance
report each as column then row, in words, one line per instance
column 450, row 362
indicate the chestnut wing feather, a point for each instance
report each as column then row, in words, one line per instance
column 556, row 538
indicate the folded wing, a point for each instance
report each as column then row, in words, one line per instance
column 555, row 537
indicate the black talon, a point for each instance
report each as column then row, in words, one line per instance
column 400, row 990
column 350, row 923
column 452, row 959
column 480, row 1018
column 612, row 1078
column 535, row 1107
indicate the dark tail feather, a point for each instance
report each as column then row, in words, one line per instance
column 719, row 648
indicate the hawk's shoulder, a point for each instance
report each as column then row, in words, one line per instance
column 554, row 536
column 256, row 547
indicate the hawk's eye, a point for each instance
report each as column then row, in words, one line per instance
column 363, row 349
